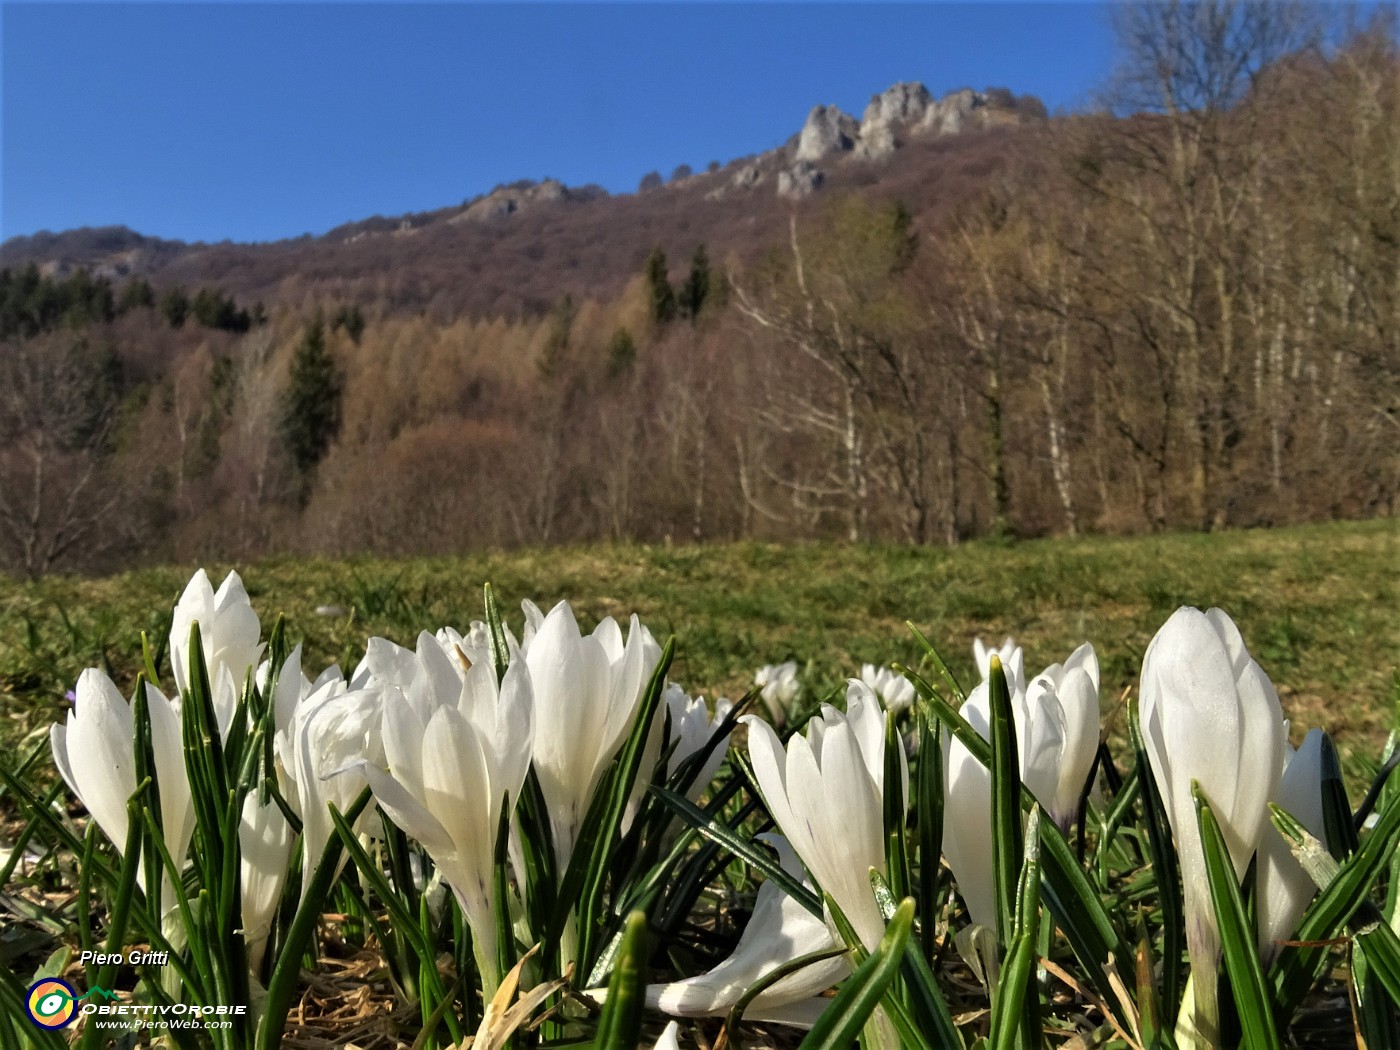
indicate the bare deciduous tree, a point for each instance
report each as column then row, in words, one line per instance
column 56, row 420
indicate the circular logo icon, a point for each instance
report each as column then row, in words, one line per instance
column 51, row 1003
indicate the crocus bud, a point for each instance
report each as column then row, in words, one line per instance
column 1210, row 715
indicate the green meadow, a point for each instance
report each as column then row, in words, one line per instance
column 1319, row 607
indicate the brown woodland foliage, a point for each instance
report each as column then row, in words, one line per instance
column 1183, row 317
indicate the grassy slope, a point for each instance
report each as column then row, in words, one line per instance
column 1319, row 608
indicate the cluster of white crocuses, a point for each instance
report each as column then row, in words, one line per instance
column 94, row 749
column 1209, row 715
column 444, row 742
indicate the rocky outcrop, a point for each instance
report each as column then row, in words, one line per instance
column 827, row 131
column 899, row 114
column 954, row 112
column 909, row 111
column 904, row 103
column 747, row 177
column 800, row 180
column 876, row 142
column 504, row 201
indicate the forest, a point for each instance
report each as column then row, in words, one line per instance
column 1180, row 311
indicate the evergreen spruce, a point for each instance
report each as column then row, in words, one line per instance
column 663, row 296
column 311, row 404
column 696, row 288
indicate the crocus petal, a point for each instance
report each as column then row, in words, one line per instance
column 176, row 803
column 458, row 791
column 769, row 762
column 1078, row 693
column 1284, row 889
column 99, row 765
column 967, row 829
column 405, row 810
column 390, row 664
column 853, row 804
column 291, row 687
column 265, row 843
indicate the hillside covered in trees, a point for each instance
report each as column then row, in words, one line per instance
column 1184, row 313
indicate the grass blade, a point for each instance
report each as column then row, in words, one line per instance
column 1293, row 972
column 1165, row 868
column 1238, row 940
column 928, row 816
column 1008, row 844
column 754, row 856
column 620, row 1026
column 840, row 1023
column 1015, row 1007
column 896, row 842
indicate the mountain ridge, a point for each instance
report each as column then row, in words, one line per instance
column 517, row 221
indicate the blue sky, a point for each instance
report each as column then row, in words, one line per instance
column 255, row 121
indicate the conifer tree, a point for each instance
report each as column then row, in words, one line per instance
column 311, row 404
column 696, row 288
column 663, row 296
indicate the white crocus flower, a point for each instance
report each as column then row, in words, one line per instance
column 587, row 689
column 265, row 844
column 894, row 689
column 967, row 819
column 779, row 930
column 228, row 631
column 1012, row 662
column 1210, row 715
column 669, row 1039
column 692, row 726
column 94, row 754
column 333, row 731
column 825, row 790
column 691, row 729
column 454, row 757
column 1057, row 732
column 778, row 688
column 1284, row 889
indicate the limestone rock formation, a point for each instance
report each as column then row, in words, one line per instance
column 877, row 141
column 903, row 103
column 800, row 180
column 509, row 199
column 827, row 131
column 954, row 111
column 747, row 177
